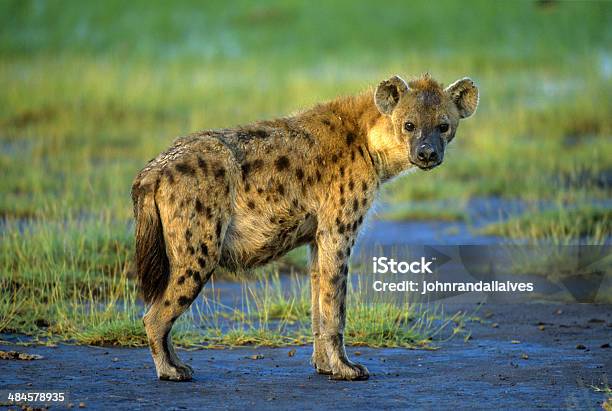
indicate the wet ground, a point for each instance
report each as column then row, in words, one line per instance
column 527, row 356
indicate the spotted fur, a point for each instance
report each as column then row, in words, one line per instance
column 239, row 198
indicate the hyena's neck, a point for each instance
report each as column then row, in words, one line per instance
column 390, row 156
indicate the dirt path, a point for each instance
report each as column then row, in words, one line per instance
column 492, row 370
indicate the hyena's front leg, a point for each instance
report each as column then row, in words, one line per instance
column 333, row 269
column 319, row 353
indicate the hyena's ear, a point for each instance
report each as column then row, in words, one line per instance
column 388, row 94
column 465, row 95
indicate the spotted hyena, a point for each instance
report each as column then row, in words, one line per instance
column 239, row 198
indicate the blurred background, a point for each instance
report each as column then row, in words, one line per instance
column 90, row 91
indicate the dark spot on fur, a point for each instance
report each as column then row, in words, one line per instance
column 281, row 163
column 218, row 229
column 342, row 201
column 198, row 206
column 201, row 262
column 341, row 189
column 220, row 172
column 208, row 212
column 318, row 175
column 341, row 171
column 256, row 164
column 360, row 220
column 190, row 250
column 361, row 152
column 181, row 279
column 188, row 235
column 196, row 278
column 299, row 173
column 352, row 155
column 351, row 185
column 340, row 255
column 202, row 165
column 281, row 189
column 364, row 201
column 260, row 133
column 172, row 198
column 183, row 300
column 169, row 175
column 246, row 169
column 204, row 249
column 185, row 168
column 355, row 204
column 326, row 122
column 334, row 158
column 364, row 186
column 350, row 137
column 259, row 190
column 341, row 228
column 251, row 205
column 295, row 202
column 167, row 303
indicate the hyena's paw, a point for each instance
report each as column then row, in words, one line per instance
column 350, row 371
column 176, row 373
column 180, row 364
column 320, row 363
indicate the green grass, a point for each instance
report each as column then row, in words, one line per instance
column 560, row 225
column 61, row 296
column 91, row 91
column 88, row 98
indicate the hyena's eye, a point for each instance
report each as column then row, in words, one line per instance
column 409, row 126
column 443, row 128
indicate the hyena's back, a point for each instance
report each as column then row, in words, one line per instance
column 237, row 198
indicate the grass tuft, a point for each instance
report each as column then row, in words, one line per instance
column 561, row 225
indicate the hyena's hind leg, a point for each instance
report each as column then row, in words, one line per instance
column 193, row 231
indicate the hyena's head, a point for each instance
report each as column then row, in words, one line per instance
column 424, row 115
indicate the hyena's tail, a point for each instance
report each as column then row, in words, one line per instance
column 152, row 264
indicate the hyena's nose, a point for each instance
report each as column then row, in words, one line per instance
column 426, row 153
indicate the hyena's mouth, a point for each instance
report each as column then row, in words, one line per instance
column 426, row 167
